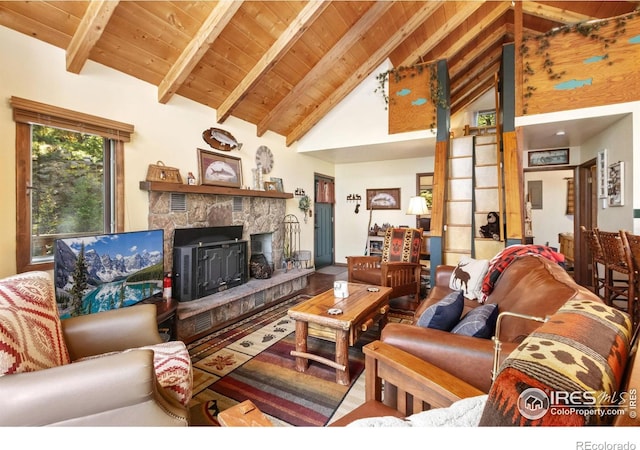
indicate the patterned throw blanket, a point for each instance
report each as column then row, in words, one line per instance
column 501, row 261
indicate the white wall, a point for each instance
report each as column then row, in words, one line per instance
column 618, row 140
column 552, row 218
column 170, row 132
column 351, row 228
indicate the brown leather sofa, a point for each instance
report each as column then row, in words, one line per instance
column 530, row 285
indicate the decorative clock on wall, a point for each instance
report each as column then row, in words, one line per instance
column 264, row 157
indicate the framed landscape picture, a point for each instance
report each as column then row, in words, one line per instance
column 383, row 198
column 217, row 169
column 549, row 157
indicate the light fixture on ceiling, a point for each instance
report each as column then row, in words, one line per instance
column 560, row 133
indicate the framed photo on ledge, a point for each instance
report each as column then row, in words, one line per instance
column 383, row 198
column 549, row 157
column 217, row 169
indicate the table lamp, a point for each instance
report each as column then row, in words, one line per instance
column 417, row 206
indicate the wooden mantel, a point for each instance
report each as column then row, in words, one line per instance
column 158, row 186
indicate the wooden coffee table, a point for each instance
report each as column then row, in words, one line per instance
column 360, row 311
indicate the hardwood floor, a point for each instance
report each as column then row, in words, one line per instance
column 321, row 282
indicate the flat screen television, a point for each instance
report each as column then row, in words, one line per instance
column 109, row 271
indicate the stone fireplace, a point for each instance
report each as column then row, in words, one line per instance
column 257, row 215
column 261, row 219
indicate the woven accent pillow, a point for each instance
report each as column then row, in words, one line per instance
column 402, row 245
column 480, row 322
column 30, row 331
column 444, row 314
column 173, row 369
column 582, row 350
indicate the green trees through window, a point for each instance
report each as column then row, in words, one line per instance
column 67, row 176
column 68, row 185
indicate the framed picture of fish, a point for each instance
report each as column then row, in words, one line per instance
column 383, row 198
column 549, row 157
column 217, row 169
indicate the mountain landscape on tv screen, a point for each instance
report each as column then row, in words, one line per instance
column 100, row 273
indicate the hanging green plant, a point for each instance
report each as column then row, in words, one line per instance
column 304, row 204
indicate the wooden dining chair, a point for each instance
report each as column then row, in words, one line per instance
column 620, row 287
column 597, row 260
column 631, row 243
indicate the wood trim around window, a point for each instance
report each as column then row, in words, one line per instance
column 118, row 131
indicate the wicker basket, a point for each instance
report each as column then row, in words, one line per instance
column 160, row 172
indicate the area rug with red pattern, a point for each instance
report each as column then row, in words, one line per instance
column 251, row 360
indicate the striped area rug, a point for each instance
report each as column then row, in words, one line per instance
column 251, row 360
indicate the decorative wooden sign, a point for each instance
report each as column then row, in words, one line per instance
column 220, row 139
column 579, row 69
column 410, row 104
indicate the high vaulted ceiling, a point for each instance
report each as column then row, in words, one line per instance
column 283, row 65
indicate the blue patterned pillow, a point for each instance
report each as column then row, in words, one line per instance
column 479, row 322
column 444, row 314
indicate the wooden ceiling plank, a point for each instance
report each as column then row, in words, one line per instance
column 479, row 66
column 284, row 42
column 469, row 96
column 479, row 49
column 362, row 72
column 219, row 18
column 494, row 14
column 463, row 11
column 354, row 34
column 552, row 13
column 88, row 33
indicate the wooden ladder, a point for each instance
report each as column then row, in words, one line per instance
column 474, row 188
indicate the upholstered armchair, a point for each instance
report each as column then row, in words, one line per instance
column 105, row 369
column 398, row 268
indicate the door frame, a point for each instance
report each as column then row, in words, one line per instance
column 586, row 214
column 316, row 177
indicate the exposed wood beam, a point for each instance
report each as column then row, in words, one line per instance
column 465, row 9
column 471, row 76
column 354, row 34
column 211, row 28
column 552, row 13
column 287, row 39
column 89, row 30
column 487, row 43
column 363, row 71
column 481, row 84
column 497, row 10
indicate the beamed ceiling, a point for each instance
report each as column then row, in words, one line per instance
column 283, row 65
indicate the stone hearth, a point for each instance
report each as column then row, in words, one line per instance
column 207, row 313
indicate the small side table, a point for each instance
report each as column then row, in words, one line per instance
column 244, row 414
